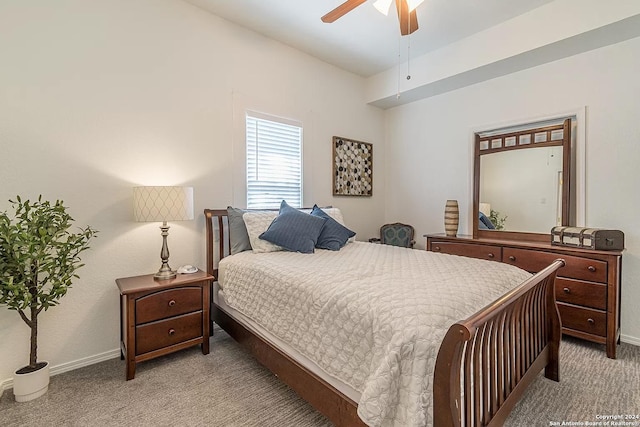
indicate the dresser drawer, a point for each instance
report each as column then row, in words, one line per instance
column 164, row 333
column 592, row 279
column 578, row 292
column 493, row 253
column 583, row 319
column 589, row 269
column 167, row 303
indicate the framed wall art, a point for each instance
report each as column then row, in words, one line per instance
column 352, row 167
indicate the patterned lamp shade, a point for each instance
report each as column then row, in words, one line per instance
column 163, row 203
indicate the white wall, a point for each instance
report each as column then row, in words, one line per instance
column 99, row 96
column 429, row 147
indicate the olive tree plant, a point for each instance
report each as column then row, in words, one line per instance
column 39, row 256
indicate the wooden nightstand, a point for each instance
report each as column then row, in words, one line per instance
column 158, row 317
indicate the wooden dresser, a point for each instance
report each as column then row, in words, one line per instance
column 587, row 287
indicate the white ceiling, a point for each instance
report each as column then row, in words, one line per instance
column 364, row 41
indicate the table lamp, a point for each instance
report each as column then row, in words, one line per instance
column 163, row 204
column 485, row 208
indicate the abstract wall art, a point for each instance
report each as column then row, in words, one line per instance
column 352, row 167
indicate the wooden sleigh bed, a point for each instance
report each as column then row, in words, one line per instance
column 483, row 365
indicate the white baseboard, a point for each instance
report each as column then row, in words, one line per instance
column 80, row 363
column 630, row 340
column 70, row 366
column 6, row 385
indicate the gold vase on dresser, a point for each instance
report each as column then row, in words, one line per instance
column 451, row 218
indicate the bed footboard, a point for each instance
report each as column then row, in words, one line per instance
column 485, row 362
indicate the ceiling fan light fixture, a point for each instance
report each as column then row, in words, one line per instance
column 383, row 6
column 408, row 18
column 413, row 4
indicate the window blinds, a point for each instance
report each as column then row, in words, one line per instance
column 274, row 162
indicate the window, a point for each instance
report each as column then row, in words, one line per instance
column 274, row 161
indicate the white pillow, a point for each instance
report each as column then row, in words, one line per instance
column 257, row 223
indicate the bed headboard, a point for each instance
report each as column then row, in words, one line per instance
column 217, row 229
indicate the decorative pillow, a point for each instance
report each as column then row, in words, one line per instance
column 484, row 223
column 238, row 236
column 329, row 210
column 294, row 230
column 334, row 235
column 336, row 214
column 257, row 223
column 308, row 210
column 333, row 213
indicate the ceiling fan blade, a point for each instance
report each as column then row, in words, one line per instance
column 408, row 20
column 342, row 10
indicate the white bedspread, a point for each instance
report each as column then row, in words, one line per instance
column 371, row 315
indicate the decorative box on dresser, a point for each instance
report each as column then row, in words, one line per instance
column 158, row 317
column 587, row 287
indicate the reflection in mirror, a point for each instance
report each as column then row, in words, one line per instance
column 522, row 190
column 522, row 180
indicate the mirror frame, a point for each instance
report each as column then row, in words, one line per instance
column 489, row 140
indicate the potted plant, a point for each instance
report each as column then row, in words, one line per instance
column 497, row 220
column 39, row 256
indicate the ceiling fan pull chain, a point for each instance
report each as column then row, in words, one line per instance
column 409, row 58
column 399, row 63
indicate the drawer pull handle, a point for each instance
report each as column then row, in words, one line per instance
column 566, row 290
column 172, row 331
column 436, row 249
column 591, row 321
column 591, row 268
column 172, row 303
column 491, row 255
column 512, row 258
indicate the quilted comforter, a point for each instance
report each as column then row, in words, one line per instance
column 371, row 315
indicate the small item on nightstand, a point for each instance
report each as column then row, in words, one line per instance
column 187, row 269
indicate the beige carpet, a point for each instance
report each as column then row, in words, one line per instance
column 591, row 386
column 228, row 388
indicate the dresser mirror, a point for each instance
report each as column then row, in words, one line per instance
column 523, row 181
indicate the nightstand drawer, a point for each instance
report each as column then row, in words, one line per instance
column 578, row 292
column 167, row 303
column 164, row 333
column 493, row 253
column 589, row 269
column 583, row 319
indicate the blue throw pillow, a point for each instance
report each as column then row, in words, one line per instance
column 334, row 235
column 485, row 223
column 294, row 230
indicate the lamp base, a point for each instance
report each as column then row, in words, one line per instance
column 165, row 273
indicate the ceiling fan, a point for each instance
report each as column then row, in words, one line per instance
column 406, row 12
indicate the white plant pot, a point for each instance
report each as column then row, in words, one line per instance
column 32, row 385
